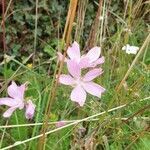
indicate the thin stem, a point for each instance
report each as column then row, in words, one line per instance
column 3, row 25
column 71, row 13
column 65, row 121
column 37, row 117
column 74, row 123
column 35, row 32
column 146, row 42
column 8, row 7
column 17, row 122
column 102, row 22
column 2, row 137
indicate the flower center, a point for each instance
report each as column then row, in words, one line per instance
column 79, row 81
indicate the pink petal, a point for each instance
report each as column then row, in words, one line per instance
column 9, row 112
column 30, row 109
column 93, row 88
column 20, row 104
column 8, row 101
column 74, row 68
column 21, row 90
column 93, row 54
column 74, row 51
column 13, row 90
column 92, row 74
column 16, row 92
column 66, row 79
column 98, row 62
column 84, row 62
column 78, row 95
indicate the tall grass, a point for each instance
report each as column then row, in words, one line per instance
column 117, row 121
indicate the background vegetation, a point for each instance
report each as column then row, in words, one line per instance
column 32, row 41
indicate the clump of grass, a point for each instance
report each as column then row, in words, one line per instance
column 120, row 119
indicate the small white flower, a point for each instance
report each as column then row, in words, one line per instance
column 130, row 49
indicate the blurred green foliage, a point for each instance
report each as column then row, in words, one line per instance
column 20, row 32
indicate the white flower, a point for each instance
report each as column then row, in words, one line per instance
column 130, row 49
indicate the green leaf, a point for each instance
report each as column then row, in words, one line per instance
column 49, row 50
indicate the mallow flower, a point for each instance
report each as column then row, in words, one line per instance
column 91, row 59
column 15, row 99
column 30, row 109
column 130, row 49
column 80, row 84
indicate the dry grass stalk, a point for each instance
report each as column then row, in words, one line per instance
column 82, row 6
column 66, row 38
column 146, row 42
column 93, row 33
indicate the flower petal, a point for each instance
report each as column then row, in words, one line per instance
column 92, row 74
column 74, row 51
column 93, row 88
column 84, row 62
column 8, row 101
column 134, row 49
column 9, row 112
column 21, row 90
column 16, row 92
column 124, row 48
column 20, row 105
column 13, row 90
column 66, row 79
column 74, row 68
column 30, row 109
column 94, row 54
column 78, row 95
column 98, row 61
column 128, row 51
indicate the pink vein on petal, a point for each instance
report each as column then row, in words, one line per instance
column 92, row 74
column 74, row 68
column 66, row 79
column 74, row 51
column 78, row 95
column 93, row 88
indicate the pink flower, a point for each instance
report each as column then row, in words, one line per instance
column 80, row 84
column 16, row 101
column 30, row 109
column 91, row 59
column 60, row 124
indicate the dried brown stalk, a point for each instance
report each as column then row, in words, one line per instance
column 93, row 33
column 82, row 6
column 66, row 38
